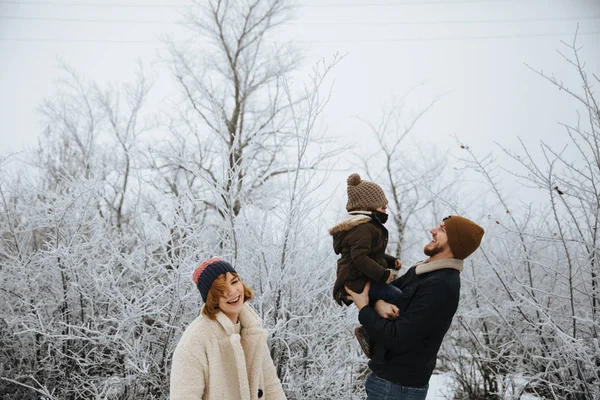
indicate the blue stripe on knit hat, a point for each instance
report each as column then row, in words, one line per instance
column 210, row 273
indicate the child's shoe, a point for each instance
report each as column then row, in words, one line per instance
column 363, row 339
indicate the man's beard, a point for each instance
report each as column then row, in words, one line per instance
column 431, row 250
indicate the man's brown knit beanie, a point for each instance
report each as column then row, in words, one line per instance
column 464, row 236
column 364, row 195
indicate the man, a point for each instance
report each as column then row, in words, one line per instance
column 406, row 338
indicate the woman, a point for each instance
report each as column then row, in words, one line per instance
column 223, row 354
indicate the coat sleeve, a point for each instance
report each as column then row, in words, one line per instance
column 273, row 389
column 391, row 261
column 188, row 373
column 430, row 305
column 359, row 241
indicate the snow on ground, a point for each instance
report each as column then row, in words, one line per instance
column 440, row 387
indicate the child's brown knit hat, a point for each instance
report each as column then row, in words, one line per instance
column 464, row 236
column 364, row 195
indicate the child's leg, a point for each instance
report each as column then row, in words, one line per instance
column 386, row 292
column 379, row 291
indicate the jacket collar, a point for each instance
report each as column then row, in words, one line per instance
column 427, row 266
column 353, row 219
column 248, row 319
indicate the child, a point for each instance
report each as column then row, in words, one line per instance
column 361, row 239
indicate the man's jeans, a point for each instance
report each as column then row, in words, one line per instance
column 380, row 389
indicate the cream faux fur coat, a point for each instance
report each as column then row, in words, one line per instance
column 212, row 362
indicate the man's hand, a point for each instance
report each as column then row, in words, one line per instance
column 391, row 277
column 360, row 299
column 398, row 264
column 387, row 310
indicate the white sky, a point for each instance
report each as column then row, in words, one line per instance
column 471, row 51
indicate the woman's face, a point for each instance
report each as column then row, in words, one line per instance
column 232, row 301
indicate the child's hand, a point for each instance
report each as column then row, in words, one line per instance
column 391, row 277
column 398, row 264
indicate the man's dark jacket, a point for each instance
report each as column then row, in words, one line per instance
column 405, row 349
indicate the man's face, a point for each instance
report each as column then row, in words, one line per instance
column 439, row 241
